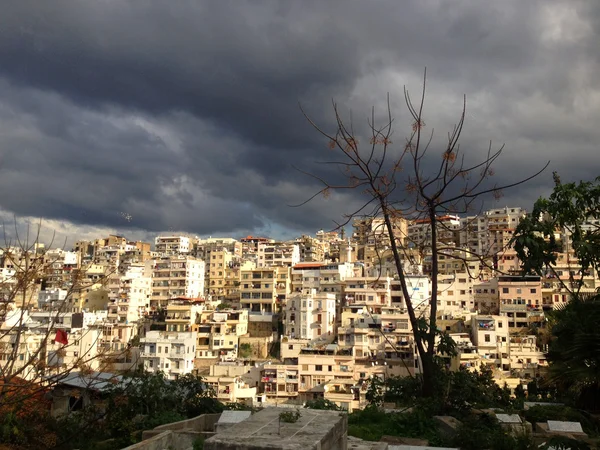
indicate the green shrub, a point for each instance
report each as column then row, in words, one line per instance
column 290, row 416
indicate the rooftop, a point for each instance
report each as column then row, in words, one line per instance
column 314, row 430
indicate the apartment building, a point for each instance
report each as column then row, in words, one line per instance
column 520, row 300
column 133, row 297
column 51, row 299
column 310, row 316
column 220, row 272
column 114, row 346
column 218, row 334
column 419, row 231
column 264, row 289
column 327, row 278
column 490, row 335
column 232, row 389
column 486, row 296
column 182, row 314
column 203, row 248
column 171, row 353
column 59, row 266
column 312, row 249
column 279, row 382
column 277, row 254
column 176, row 276
column 467, row 355
column 172, row 245
column 455, row 293
column 486, row 234
column 89, row 298
column 374, row 293
column 385, row 339
column 419, row 289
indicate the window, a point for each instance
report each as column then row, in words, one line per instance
column 487, row 338
column 319, row 368
column 330, row 368
column 305, row 367
column 533, row 291
column 505, row 290
column 518, row 290
column 290, row 347
column 499, row 324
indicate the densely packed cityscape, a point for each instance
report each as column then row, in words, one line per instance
column 267, row 322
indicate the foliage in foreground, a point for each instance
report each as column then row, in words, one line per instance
column 143, row 401
column 455, row 392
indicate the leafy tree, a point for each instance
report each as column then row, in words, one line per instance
column 146, row 400
column 574, row 350
column 564, row 223
column 406, row 181
column 570, row 209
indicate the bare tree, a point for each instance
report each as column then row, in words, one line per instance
column 32, row 357
column 411, row 181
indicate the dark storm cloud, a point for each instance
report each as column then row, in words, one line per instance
column 184, row 114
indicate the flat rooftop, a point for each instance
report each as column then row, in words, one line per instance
column 314, row 430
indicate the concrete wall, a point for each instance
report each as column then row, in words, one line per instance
column 168, row 439
column 260, row 345
column 202, row 425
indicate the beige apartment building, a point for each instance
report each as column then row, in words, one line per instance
column 182, row 314
column 486, row 298
column 374, row 293
column 383, row 339
column 455, row 293
column 279, row 382
column 219, row 332
column 264, row 289
column 520, row 300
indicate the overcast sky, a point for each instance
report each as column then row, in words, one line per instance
column 141, row 117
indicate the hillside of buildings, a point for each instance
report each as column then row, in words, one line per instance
column 253, row 323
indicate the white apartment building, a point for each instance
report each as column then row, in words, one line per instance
column 172, row 245
column 51, row 298
column 326, row 278
column 490, row 335
column 176, row 276
column 133, row 299
column 486, row 234
column 171, row 353
column 277, row 254
column 309, row 316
